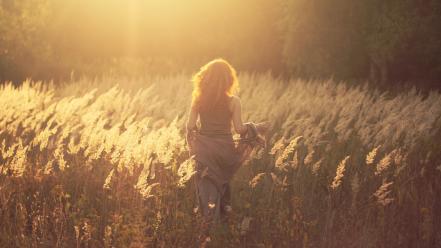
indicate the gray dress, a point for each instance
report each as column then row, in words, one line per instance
column 217, row 158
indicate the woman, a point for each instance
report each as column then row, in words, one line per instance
column 216, row 154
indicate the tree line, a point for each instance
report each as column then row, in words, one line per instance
column 381, row 41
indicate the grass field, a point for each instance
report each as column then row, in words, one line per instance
column 103, row 163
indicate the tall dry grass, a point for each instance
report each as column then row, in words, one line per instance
column 102, row 163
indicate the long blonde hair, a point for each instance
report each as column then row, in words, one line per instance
column 213, row 83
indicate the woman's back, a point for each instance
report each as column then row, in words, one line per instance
column 216, row 121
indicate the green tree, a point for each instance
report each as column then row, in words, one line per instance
column 390, row 27
column 24, row 46
column 323, row 38
column 386, row 41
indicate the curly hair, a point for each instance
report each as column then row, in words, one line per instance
column 213, row 83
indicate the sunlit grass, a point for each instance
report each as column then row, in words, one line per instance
column 103, row 162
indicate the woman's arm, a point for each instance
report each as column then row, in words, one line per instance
column 192, row 118
column 190, row 126
column 239, row 127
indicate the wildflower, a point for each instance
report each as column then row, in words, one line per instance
column 186, row 171
column 108, row 181
column 371, row 155
column 385, row 162
column 257, row 180
column 382, row 194
column 289, row 151
column 309, row 158
column 279, row 145
column 316, row 166
column 19, row 161
column 339, row 173
column 142, row 183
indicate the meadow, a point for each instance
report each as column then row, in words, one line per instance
column 102, row 162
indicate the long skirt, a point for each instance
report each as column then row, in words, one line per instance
column 217, row 159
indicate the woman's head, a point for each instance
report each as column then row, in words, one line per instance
column 214, row 81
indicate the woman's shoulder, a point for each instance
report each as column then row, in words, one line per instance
column 234, row 99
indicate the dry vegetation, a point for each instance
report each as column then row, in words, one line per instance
column 91, row 164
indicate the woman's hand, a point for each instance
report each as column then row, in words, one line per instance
column 262, row 127
column 191, row 127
